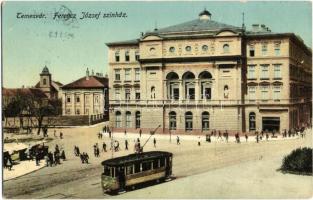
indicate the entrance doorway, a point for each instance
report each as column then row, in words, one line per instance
column 270, row 124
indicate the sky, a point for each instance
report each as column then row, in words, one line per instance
column 67, row 48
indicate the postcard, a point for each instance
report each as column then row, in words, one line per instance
column 156, row 99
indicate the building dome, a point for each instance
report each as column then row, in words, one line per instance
column 205, row 15
column 45, row 70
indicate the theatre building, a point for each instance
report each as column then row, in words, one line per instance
column 203, row 75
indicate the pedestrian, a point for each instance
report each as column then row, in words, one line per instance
column 177, row 140
column 246, row 136
column 98, row 151
column 109, row 133
column 51, row 161
column 220, row 135
column 267, row 136
column 104, row 147
column 61, row 135
column 139, row 146
column 54, row 133
column 9, row 163
column 47, row 160
column 63, row 155
column 82, row 158
column 78, row 152
column 105, row 129
column 140, row 133
column 86, row 158
column 226, row 136
column 125, row 132
column 57, row 148
column 199, row 141
column 257, row 137
column 126, row 145
column 154, row 142
column 37, row 158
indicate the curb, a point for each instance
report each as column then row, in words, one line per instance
column 24, row 174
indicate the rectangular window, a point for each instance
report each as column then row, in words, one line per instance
column 264, row 72
column 77, row 111
column 251, row 51
column 127, row 94
column 117, row 94
column 117, row 74
column 127, row 74
column 77, row 99
column 137, row 94
column 251, row 93
column 128, row 120
column 117, row 57
column 68, row 99
column 87, row 99
column 264, row 93
column 127, row 56
column 118, row 121
column 137, row 74
column 137, row 56
column 264, row 49
column 251, row 72
column 276, row 93
column 277, row 49
column 277, row 71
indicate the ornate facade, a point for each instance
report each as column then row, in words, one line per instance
column 202, row 75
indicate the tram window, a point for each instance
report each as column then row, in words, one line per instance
column 162, row 162
column 113, row 171
column 137, row 167
column 129, row 170
column 155, row 164
column 106, row 171
column 146, row 166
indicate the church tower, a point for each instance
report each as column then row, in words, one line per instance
column 45, row 81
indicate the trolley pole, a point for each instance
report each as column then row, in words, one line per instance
column 112, row 145
column 151, row 133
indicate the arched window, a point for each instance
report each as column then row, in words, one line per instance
column 128, row 119
column 137, row 119
column 206, row 84
column 152, row 92
column 205, row 121
column 226, row 91
column 226, row 48
column 188, row 79
column 118, row 119
column 172, row 86
column 188, row 121
column 44, row 81
column 252, row 121
column 172, row 120
column 117, row 56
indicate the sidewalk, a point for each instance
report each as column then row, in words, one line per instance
column 22, row 168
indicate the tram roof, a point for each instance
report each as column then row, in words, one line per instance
column 135, row 157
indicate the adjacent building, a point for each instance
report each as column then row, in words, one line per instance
column 202, row 75
column 86, row 96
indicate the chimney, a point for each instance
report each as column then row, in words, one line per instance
column 92, row 73
column 255, row 27
column 87, row 74
column 106, row 75
column 263, row 28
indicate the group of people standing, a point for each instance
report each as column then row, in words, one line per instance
column 53, row 159
column 83, row 156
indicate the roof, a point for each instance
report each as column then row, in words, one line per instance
column 55, row 84
column 135, row 157
column 92, row 82
column 45, row 70
column 197, row 25
column 10, row 92
column 125, row 42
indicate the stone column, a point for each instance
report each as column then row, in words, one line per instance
column 165, row 90
column 181, row 90
column 197, row 90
